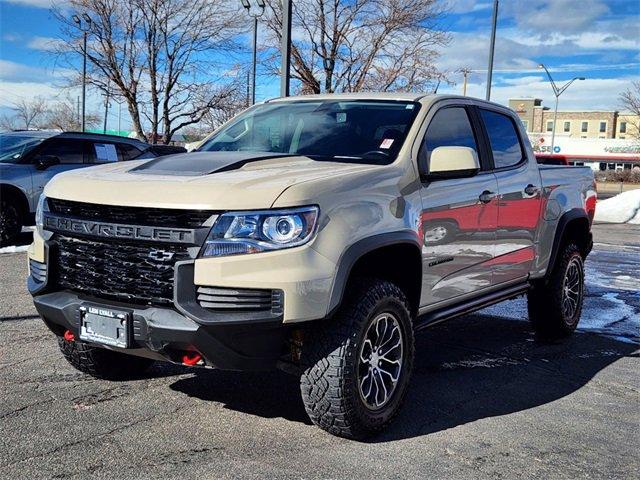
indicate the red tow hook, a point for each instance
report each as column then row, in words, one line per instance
column 191, row 358
column 69, row 336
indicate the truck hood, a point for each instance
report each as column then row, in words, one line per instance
column 200, row 180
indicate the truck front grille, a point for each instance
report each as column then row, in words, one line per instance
column 129, row 271
column 240, row 299
column 157, row 217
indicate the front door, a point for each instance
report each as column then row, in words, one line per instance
column 459, row 216
column 71, row 154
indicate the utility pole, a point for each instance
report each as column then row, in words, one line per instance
column 557, row 92
column 78, row 109
column 106, row 110
column 85, row 29
column 285, row 49
column 492, row 47
column 465, row 73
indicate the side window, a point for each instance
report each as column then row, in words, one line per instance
column 449, row 127
column 102, row 153
column 128, row 151
column 505, row 142
column 68, row 151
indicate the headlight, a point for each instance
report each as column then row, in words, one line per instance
column 236, row 233
column 42, row 207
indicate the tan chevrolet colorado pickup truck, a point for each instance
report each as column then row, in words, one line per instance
column 314, row 234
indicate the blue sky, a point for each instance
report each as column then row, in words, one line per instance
column 597, row 39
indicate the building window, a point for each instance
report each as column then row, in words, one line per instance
column 623, row 127
column 585, row 127
column 583, row 136
column 567, row 126
column 550, row 126
column 603, row 127
column 622, row 137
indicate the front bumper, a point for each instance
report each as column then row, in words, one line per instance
column 166, row 334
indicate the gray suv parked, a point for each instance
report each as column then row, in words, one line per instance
column 29, row 159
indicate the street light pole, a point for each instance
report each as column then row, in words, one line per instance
column 85, row 30
column 557, row 92
column 285, row 49
column 255, row 15
column 492, row 47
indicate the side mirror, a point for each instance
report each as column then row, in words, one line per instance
column 453, row 162
column 46, row 161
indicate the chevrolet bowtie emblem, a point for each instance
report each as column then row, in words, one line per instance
column 161, row 255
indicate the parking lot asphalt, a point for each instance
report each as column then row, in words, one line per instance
column 487, row 400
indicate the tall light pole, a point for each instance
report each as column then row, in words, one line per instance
column 492, row 47
column 255, row 14
column 285, row 49
column 85, row 27
column 557, row 92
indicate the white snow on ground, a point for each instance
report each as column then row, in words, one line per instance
column 14, row 249
column 604, row 314
column 623, row 208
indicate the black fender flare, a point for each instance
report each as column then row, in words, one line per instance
column 356, row 251
column 567, row 218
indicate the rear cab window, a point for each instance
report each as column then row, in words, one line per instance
column 504, row 139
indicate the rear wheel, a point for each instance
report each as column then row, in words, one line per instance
column 102, row 363
column 555, row 306
column 10, row 222
column 357, row 365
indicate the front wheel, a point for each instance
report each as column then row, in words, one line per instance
column 555, row 306
column 102, row 363
column 10, row 222
column 357, row 365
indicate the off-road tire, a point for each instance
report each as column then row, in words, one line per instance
column 10, row 222
column 545, row 300
column 450, row 229
column 330, row 360
column 102, row 363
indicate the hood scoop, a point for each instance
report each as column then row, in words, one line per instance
column 202, row 163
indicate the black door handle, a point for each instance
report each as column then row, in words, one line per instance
column 531, row 190
column 487, row 196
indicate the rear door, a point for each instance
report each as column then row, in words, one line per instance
column 459, row 217
column 520, row 195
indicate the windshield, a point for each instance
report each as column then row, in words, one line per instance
column 14, row 147
column 347, row 131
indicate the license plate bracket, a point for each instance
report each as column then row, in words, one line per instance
column 105, row 325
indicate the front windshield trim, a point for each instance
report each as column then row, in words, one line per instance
column 239, row 134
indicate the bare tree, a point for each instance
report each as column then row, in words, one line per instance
column 8, row 123
column 156, row 55
column 63, row 116
column 630, row 101
column 343, row 45
column 29, row 112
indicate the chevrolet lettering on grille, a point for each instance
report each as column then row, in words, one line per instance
column 116, row 230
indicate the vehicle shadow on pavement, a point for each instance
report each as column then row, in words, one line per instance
column 465, row 370
column 265, row 394
column 481, row 366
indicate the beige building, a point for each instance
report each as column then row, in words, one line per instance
column 576, row 124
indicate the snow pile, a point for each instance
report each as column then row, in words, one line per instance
column 623, row 208
column 14, row 249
